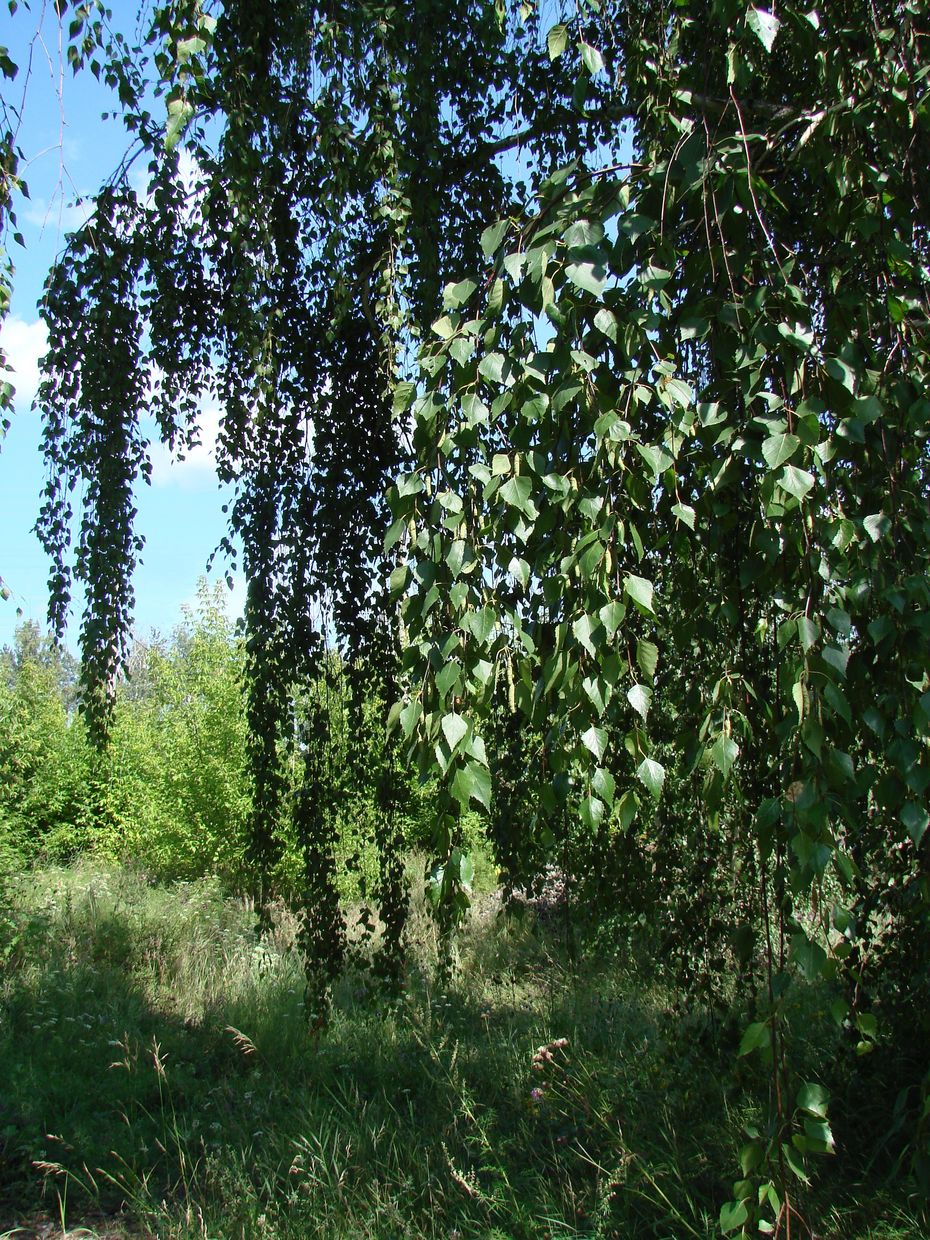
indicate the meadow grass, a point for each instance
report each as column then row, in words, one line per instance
column 158, row 1077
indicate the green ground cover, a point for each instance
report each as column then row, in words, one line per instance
column 159, row 1078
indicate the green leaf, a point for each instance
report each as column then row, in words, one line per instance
column 492, row 237
column 724, row 753
column 475, row 410
column 764, row 25
column 597, row 693
column 808, row 633
column 655, row 457
column 482, row 671
column 842, row 373
column 868, row 409
column 454, row 728
column 640, row 591
column 481, row 623
column 583, row 628
column 794, row 1162
column 466, row 870
column 592, row 812
column 448, row 678
column 915, row 819
column 590, row 277
column 606, row 322
column 456, row 295
column 404, row 394
column 591, row 558
column 604, row 785
column 583, row 232
column 492, row 367
column 472, row 783
column 595, row 740
column 627, row 808
column 693, row 328
column 779, row 448
column 813, row 1099
column 395, row 533
column 516, row 493
column 755, row 1037
column 679, row 392
column 179, row 114
column 557, row 40
column 513, row 264
column 836, row 657
column 443, row 327
column 796, row 482
column 592, row 59
column 798, row 335
column 652, row 774
column 187, row 48
column 409, row 717
column 640, row 698
column 808, row 956
column 876, row 526
column 769, row 1193
column 647, row 656
column 818, row 1138
column 459, row 556
column 750, row 1156
column 409, row 484
column 611, row 616
column 733, row 1215
column 685, row 513
column 462, row 349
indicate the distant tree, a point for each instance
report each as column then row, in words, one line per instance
column 33, row 646
column 43, row 748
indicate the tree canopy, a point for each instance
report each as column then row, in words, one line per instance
column 574, row 374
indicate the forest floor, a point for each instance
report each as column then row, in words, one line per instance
column 159, row 1078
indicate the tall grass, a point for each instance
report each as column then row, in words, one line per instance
column 158, row 1073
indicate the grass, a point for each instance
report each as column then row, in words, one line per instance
column 159, row 1079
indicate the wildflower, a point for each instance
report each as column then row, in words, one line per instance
column 545, row 1055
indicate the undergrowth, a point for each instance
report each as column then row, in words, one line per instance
column 158, row 1071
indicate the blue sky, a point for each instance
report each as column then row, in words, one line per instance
column 69, row 151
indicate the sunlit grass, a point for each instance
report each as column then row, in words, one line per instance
column 158, row 1071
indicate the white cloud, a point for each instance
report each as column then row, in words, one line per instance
column 64, row 217
column 24, row 344
column 198, row 468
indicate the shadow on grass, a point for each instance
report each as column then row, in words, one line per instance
column 156, row 1064
column 158, row 1073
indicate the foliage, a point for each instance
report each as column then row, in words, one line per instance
column 171, row 793
column 177, row 786
column 659, row 530
column 672, row 467
column 43, row 760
